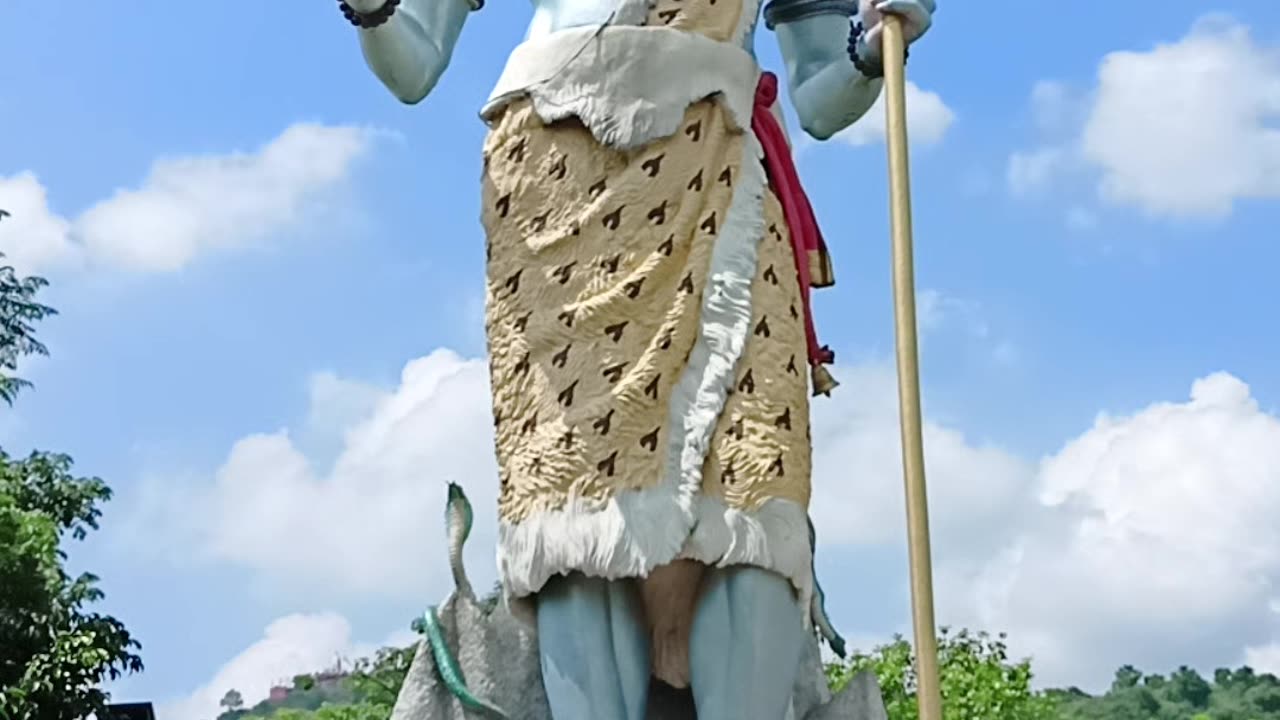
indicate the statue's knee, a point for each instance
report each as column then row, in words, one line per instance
column 595, row 664
column 575, row 608
column 750, row 591
column 758, row 580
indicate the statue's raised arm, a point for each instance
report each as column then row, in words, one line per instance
column 408, row 43
column 833, row 64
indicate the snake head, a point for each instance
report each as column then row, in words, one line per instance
column 456, row 494
column 458, row 509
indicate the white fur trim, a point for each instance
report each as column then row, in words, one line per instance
column 626, row 536
column 774, row 537
column 628, row 85
column 699, row 397
column 746, row 21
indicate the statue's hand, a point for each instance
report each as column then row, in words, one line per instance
column 916, row 17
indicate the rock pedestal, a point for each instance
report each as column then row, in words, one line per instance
column 499, row 660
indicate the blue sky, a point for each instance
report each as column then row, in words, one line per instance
column 1050, row 299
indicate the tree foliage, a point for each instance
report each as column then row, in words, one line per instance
column 377, row 680
column 19, row 312
column 978, row 680
column 367, row 692
column 232, row 701
column 1240, row 694
column 55, row 651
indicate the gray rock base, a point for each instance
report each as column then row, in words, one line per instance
column 499, row 659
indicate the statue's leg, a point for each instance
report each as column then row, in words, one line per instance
column 748, row 635
column 594, row 648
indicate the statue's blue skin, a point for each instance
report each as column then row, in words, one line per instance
column 748, row 630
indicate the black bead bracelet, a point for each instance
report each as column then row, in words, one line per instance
column 372, row 19
column 868, row 69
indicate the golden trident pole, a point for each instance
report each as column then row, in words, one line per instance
column 928, row 691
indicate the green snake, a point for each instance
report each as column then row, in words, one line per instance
column 457, row 520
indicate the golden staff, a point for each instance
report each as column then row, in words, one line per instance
column 928, row 691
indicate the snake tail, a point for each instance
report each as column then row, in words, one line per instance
column 449, row 671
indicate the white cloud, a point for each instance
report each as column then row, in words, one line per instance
column 362, row 525
column 1032, row 170
column 1183, row 130
column 858, row 458
column 32, row 236
column 1263, row 658
column 289, row 646
column 928, row 119
column 185, row 207
column 935, row 308
column 1150, row 533
column 337, row 404
column 1188, row 128
column 1107, row 552
column 370, row 523
column 1053, row 106
column 939, row 313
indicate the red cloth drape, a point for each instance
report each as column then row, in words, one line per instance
column 806, row 238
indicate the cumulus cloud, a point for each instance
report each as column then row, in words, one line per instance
column 32, row 236
column 337, row 404
column 369, row 522
column 942, row 313
column 368, row 518
column 1054, row 106
column 1152, row 540
column 858, row 496
column 186, row 205
column 1148, row 539
column 928, row 119
column 1032, row 170
column 1188, row 128
column 1263, row 658
column 1183, row 130
column 289, row 646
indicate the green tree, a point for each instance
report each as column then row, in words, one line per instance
column 303, row 682
column 377, row 680
column 1238, row 694
column 55, row 651
column 1186, row 686
column 232, row 701
column 979, row 682
column 1126, row 677
column 19, row 312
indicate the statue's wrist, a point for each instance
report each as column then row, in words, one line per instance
column 369, row 19
column 866, row 60
column 373, row 18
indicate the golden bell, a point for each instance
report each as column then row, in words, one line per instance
column 823, row 383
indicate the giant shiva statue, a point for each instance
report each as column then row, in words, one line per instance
column 650, row 256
